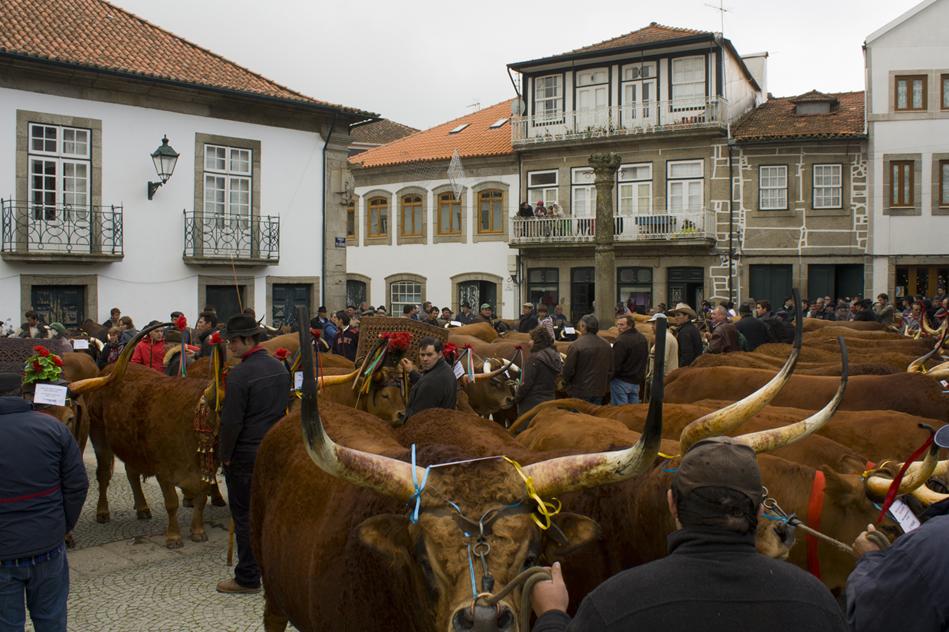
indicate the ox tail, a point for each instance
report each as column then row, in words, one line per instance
column 81, row 387
column 734, row 415
column 775, row 438
column 387, row 476
column 582, row 471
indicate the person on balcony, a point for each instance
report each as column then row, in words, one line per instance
column 525, row 210
column 539, row 209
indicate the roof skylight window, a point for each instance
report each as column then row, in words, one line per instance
column 459, row 128
column 498, row 123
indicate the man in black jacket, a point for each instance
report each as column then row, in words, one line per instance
column 687, row 334
column 256, row 395
column 435, row 386
column 589, row 365
column 713, row 578
column 528, row 320
column 630, row 356
column 42, row 487
column 753, row 329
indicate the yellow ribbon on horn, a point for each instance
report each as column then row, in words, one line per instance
column 546, row 509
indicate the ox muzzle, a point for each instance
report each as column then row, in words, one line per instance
column 480, row 618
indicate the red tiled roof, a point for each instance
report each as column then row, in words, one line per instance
column 380, row 132
column 437, row 143
column 98, row 35
column 647, row 35
column 776, row 119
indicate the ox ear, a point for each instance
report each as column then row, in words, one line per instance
column 570, row 532
column 388, row 534
column 838, row 486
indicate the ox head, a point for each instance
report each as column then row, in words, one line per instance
column 475, row 528
column 493, row 388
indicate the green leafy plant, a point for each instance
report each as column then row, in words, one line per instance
column 43, row 366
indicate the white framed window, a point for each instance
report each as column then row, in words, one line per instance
column 402, row 293
column 60, row 164
column 828, row 186
column 772, row 187
column 228, row 183
column 688, row 82
column 634, row 189
column 543, row 185
column 685, row 182
column 638, row 92
column 548, row 98
column 582, row 192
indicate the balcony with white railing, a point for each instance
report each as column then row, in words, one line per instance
column 643, row 117
column 683, row 227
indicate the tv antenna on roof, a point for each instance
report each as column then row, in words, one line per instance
column 721, row 9
column 475, row 106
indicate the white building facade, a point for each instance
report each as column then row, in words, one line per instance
column 240, row 223
column 907, row 70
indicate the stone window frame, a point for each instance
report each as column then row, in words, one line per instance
column 248, row 282
column 787, row 188
column 367, row 281
column 89, row 281
column 376, row 240
column 843, row 186
column 909, row 77
column 200, row 140
column 917, row 208
column 422, row 237
column 937, row 191
column 481, row 187
column 449, row 238
column 404, row 276
column 312, row 281
column 943, row 102
column 466, row 277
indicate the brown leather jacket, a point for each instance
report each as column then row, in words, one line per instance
column 589, row 367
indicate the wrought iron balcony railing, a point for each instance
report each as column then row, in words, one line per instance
column 224, row 238
column 660, row 225
column 642, row 117
column 60, row 232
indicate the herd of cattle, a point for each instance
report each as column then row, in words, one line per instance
column 358, row 520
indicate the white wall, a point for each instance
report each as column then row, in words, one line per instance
column 741, row 95
column 438, row 263
column 152, row 279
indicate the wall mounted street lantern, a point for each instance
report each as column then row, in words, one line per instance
column 165, row 158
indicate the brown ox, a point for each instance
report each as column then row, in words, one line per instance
column 147, row 420
column 384, row 399
column 816, row 324
column 320, row 531
column 751, row 360
column 482, row 331
column 492, row 391
column 907, row 392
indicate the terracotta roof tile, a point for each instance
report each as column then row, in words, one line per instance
column 647, row 35
column 776, row 120
column 98, row 35
column 437, row 143
column 380, row 132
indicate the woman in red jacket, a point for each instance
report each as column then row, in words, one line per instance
column 151, row 351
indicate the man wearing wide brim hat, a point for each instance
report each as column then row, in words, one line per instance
column 256, row 396
column 672, row 348
column 687, row 335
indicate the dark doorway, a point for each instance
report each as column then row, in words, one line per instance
column 355, row 295
column 543, row 286
column 228, row 300
column 835, row 281
column 634, row 288
column 771, row 282
column 475, row 293
column 286, row 298
column 64, row 304
column 686, row 285
column 582, row 292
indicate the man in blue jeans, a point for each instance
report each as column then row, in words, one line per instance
column 630, row 356
column 43, row 484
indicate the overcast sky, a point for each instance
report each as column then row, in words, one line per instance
column 423, row 62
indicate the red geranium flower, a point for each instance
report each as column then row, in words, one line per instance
column 215, row 338
column 43, row 351
column 57, row 360
column 281, row 353
column 181, row 322
column 399, row 340
column 37, row 366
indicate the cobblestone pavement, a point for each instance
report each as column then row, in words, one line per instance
column 123, row 579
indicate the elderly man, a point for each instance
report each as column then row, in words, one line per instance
column 589, row 364
column 528, row 320
column 713, row 578
column 723, row 337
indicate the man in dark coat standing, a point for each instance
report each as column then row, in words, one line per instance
column 589, row 365
column 528, row 320
column 42, row 487
column 630, row 357
column 257, row 393
column 687, row 334
column 753, row 329
column 724, row 336
column 435, row 386
column 713, row 579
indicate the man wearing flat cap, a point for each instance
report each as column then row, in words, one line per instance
column 256, row 395
column 713, row 579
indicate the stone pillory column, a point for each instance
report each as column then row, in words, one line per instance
column 604, row 168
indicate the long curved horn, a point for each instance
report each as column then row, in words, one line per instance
column 570, row 473
column 333, row 380
column 939, row 372
column 927, row 496
column 488, row 373
column 924, row 325
column 942, row 468
column 919, row 364
column 878, row 485
column 767, row 440
column 384, row 475
column 81, row 387
column 734, row 415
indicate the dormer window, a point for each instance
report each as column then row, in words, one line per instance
column 814, row 103
column 548, row 98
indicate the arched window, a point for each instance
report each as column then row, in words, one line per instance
column 490, row 211
column 411, row 210
column 378, row 224
column 449, row 214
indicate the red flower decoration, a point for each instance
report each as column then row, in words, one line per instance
column 449, row 351
column 43, row 351
column 397, row 340
column 181, row 323
column 57, row 360
column 37, row 366
column 215, row 338
column 316, row 332
column 281, row 354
